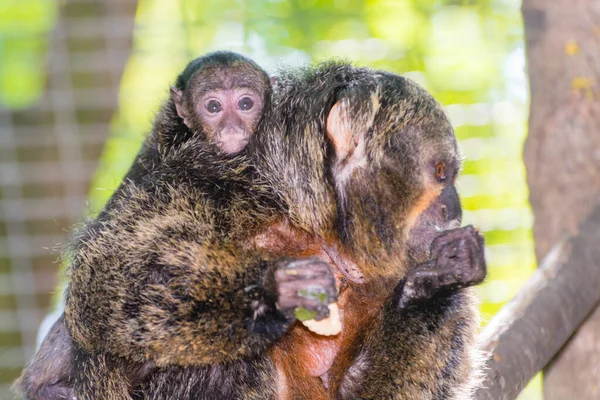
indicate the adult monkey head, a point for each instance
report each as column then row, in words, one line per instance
column 386, row 157
column 222, row 95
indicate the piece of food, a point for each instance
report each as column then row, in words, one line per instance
column 329, row 326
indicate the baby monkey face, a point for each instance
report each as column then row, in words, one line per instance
column 226, row 103
column 229, row 116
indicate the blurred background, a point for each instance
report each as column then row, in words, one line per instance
column 80, row 82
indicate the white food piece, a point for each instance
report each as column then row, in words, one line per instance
column 329, row 326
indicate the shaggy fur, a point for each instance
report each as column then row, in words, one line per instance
column 172, row 292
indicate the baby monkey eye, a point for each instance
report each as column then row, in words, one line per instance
column 245, row 103
column 214, row 106
column 440, row 171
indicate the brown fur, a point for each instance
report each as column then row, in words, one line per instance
column 175, row 277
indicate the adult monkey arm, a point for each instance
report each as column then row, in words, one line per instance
column 434, row 353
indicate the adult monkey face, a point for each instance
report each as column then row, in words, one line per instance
column 440, row 204
column 224, row 101
column 396, row 161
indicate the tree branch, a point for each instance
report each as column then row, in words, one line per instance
column 525, row 335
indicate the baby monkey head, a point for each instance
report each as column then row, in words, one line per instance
column 222, row 96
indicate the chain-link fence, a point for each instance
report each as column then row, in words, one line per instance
column 48, row 154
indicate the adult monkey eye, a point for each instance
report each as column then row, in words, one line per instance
column 245, row 103
column 214, row 106
column 440, row 171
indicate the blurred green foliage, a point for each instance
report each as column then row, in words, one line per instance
column 469, row 54
column 24, row 28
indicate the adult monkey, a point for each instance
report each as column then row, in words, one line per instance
column 389, row 158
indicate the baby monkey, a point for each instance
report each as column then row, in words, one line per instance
column 220, row 98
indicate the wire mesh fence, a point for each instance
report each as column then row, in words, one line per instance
column 48, row 154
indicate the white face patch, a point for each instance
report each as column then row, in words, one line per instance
column 347, row 128
column 344, row 169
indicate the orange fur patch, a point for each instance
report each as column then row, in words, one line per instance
column 364, row 307
column 428, row 196
column 302, row 358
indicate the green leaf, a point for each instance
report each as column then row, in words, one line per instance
column 303, row 314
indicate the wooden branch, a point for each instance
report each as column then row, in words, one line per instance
column 561, row 158
column 525, row 335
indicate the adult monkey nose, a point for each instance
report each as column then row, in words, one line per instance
column 451, row 209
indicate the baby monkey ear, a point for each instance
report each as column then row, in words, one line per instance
column 177, row 96
column 348, row 124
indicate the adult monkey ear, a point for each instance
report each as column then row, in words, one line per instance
column 177, row 96
column 348, row 124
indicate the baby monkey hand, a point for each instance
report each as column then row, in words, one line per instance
column 306, row 289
